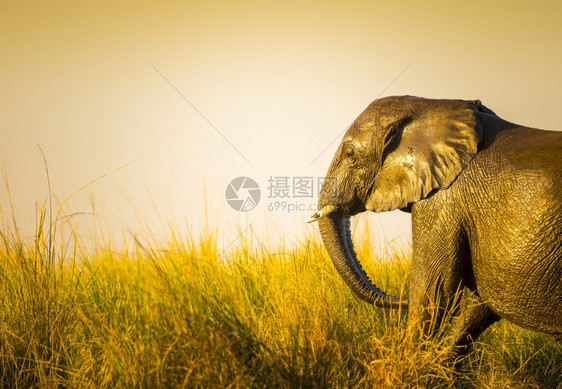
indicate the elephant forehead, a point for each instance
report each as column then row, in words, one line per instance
column 371, row 121
column 383, row 112
column 392, row 102
column 358, row 133
column 389, row 108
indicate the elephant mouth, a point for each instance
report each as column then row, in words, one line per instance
column 335, row 230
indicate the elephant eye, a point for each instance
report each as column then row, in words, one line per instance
column 348, row 151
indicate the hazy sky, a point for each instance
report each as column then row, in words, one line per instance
column 278, row 80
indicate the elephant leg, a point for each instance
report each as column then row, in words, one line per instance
column 441, row 257
column 431, row 306
column 474, row 317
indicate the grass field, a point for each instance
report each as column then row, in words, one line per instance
column 177, row 313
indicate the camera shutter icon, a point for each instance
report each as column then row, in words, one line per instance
column 243, row 194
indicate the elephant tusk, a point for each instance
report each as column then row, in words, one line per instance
column 325, row 211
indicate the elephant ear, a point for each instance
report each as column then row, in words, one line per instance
column 431, row 145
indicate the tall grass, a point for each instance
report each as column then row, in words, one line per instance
column 185, row 313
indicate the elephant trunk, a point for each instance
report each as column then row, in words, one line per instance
column 336, row 235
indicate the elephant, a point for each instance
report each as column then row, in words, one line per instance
column 485, row 198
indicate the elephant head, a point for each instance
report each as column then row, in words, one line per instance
column 396, row 152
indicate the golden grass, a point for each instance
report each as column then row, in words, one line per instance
column 184, row 313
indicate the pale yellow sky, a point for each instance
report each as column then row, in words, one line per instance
column 279, row 80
